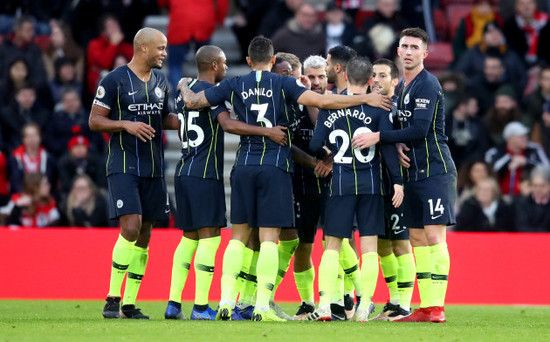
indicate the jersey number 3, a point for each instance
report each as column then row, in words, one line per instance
column 185, row 143
column 339, row 157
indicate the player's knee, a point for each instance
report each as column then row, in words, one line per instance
column 207, row 233
column 333, row 242
column 401, row 247
column 192, row 235
column 384, row 247
column 288, row 234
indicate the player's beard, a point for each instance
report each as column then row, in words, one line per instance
column 154, row 63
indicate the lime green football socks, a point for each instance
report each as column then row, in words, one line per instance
column 405, row 279
column 136, row 271
column 205, row 259
column 304, row 284
column 232, row 263
column 350, row 264
column 180, row 267
column 390, row 267
column 328, row 272
column 286, row 250
column 369, row 277
column 424, row 274
column 268, row 264
column 248, row 292
column 440, row 272
column 122, row 253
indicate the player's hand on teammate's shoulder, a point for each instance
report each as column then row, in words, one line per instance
column 184, row 81
column 323, row 167
column 375, row 99
column 305, row 81
column 365, row 140
column 398, row 195
column 404, row 160
column 278, row 135
column 141, row 130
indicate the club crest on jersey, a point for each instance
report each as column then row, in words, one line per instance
column 159, row 93
column 100, row 92
column 407, row 99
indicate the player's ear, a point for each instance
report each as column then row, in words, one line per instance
column 273, row 58
column 345, row 76
column 426, row 53
column 394, row 82
column 248, row 61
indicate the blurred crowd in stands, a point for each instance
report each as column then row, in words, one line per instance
column 492, row 59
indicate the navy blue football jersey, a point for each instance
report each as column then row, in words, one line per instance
column 304, row 179
column 355, row 171
column 422, row 101
column 264, row 99
column 202, row 138
column 129, row 98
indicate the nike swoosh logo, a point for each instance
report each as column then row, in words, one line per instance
column 167, row 211
column 132, row 93
column 438, row 216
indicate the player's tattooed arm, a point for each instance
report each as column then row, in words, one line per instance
column 192, row 100
column 278, row 133
column 334, row 101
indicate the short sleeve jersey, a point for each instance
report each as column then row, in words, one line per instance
column 202, row 139
column 129, row 98
column 354, row 171
column 264, row 99
column 423, row 99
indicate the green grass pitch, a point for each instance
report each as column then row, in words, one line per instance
column 82, row 321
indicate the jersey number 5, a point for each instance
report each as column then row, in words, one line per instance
column 190, row 127
column 339, row 157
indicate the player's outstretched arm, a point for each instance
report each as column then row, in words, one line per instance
column 320, row 167
column 417, row 130
column 333, row 101
column 192, row 100
column 99, row 121
column 278, row 133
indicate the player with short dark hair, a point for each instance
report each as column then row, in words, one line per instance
column 349, row 274
column 132, row 104
column 430, row 191
column 261, row 182
column 394, row 247
column 200, row 171
column 355, row 189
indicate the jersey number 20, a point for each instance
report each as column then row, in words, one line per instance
column 339, row 157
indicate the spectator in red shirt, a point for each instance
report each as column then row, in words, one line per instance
column 30, row 157
column 34, row 207
column 522, row 30
column 191, row 21
column 103, row 50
